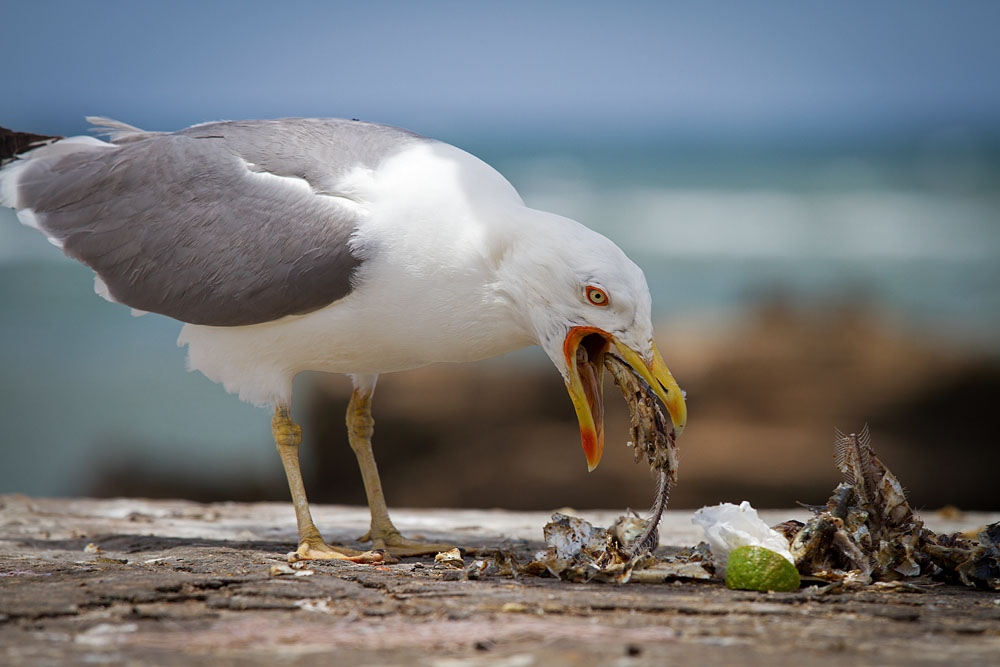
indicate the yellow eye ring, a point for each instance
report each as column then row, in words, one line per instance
column 597, row 296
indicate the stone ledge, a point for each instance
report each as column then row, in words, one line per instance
column 177, row 582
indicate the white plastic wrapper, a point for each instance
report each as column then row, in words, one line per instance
column 729, row 526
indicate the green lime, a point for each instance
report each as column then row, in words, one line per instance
column 753, row 568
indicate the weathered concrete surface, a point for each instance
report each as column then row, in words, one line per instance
column 180, row 583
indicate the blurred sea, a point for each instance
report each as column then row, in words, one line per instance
column 910, row 229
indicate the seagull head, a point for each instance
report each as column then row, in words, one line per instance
column 582, row 298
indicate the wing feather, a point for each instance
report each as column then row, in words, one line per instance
column 184, row 224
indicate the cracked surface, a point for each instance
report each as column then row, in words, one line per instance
column 177, row 583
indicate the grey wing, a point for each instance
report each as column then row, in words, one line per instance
column 195, row 225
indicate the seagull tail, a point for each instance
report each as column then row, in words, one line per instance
column 14, row 143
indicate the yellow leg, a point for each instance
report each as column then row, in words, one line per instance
column 383, row 534
column 287, row 436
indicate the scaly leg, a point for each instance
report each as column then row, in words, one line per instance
column 287, row 436
column 360, row 426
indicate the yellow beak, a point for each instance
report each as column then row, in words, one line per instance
column 584, row 348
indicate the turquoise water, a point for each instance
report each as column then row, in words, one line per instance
column 913, row 231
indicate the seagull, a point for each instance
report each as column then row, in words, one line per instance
column 338, row 246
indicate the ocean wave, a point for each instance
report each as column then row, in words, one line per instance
column 774, row 224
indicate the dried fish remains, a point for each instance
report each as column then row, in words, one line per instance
column 652, row 437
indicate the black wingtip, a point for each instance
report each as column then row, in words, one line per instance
column 14, row 143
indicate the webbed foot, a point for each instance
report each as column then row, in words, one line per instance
column 317, row 549
column 393, row 542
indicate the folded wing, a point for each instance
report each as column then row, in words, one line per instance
column 222, row 224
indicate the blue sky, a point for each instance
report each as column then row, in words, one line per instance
column 585, row 68
column 581, row 73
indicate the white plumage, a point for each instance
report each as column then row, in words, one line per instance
column 435, row 224
column 431, row 254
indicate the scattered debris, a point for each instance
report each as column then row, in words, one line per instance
column 578, row 551
column 750, row 555
column 296, row 569
column 503, row 563
column 690, row 565
column 110, row 561
column 868, row 533
column 160, row 559
column 450, row 558
column 729, row 526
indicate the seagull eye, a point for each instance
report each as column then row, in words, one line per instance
column 597, row 296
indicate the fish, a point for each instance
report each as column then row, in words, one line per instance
column 652, row 438
column 867, row 533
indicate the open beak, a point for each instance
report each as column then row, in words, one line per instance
column 584, row 349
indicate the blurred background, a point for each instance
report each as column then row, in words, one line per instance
column 813, row 191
